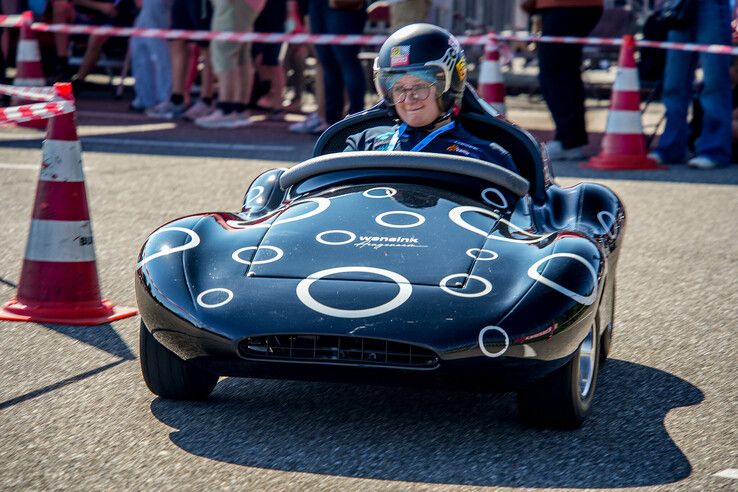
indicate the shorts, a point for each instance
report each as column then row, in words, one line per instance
column 192, row 15
column 90, row 17
column 233, row 16
column 271, row 19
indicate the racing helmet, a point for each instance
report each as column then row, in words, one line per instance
column 429, row 53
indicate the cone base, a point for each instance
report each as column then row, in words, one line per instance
column 77, row 314
column 623, row 163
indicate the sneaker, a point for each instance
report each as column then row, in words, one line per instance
column 655, row 156
column 218, row 119
column 166, row 110
column 308, row 125
column 703, row 162
column 198, row 110
column 244, row 119
column 557, row 152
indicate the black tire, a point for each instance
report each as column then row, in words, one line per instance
column 168, row 376
column 556, row 400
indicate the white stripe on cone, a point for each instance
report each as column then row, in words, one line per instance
column 63, row 161
column 28, row 51
column 490, row 73
column 626, row 79
column 624, row 122
column 60, row 241
column 39, row 82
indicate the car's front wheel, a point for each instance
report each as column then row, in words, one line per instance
column 563, row 398
column 169, row 376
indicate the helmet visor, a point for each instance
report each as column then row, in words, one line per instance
column 418, row 82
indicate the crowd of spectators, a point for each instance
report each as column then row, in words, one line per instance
column 234, row 79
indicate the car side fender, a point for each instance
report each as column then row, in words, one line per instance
column 264, row 194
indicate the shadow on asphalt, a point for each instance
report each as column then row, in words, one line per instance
column 60, row 384
column 102, row 337
column 438, row 437
column 673, row 173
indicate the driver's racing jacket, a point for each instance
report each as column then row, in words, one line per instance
column 456, row 141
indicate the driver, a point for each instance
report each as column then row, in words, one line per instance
column 421, row 72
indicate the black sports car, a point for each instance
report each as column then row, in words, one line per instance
column 393, row 268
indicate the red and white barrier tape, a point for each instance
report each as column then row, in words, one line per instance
column 11, row 20
column 30, row 93
column 39, row 111
column 346, row 39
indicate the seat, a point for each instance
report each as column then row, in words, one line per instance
column 477, row 117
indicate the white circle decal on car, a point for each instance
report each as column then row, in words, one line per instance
column 168, row 251
column 609, row 227
column 259, row 191
column 380, row 219
column 478, row 255
column 455, row 215
column 351, row 237
column 303, row 292
column 323, row 204
column 502, row 203
column 481, row 341
column 586, row 300
column 237, row 255
column 387, row 192
column 201, row 298
column 487, row 285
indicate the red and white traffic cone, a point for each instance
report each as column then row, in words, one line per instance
column 58, row 281
column 29, row 72
column 490, row 84
column 624, row 146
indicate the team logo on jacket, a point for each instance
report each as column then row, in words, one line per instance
column 457, row 150
column 399, row 56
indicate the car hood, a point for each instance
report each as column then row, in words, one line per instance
column 402, row 234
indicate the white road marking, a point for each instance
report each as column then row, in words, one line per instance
column 729, row 473
column 187, row 145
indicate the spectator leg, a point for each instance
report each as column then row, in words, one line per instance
column 294, row 61
column 352, row 75
column 206, row 77
column 677, row 96
column 713, row 27
column 275, row 76
column 92, row 53
column 62, row 13
column 246, row 84
column 341, row 65
column 143, row 72
column 161, row 68
column 178, row 49
column 560, row 71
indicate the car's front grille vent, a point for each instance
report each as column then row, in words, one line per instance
column 337, row 350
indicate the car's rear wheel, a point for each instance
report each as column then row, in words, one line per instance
column 563, row 398
column 169, row 376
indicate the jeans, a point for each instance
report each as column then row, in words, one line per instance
column 711, row 26
column 341, row 65
column 150, row 62
column 560, row 70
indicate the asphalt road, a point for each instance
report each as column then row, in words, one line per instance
column 75, row 413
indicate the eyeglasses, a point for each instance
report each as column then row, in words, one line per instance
column 418, row 92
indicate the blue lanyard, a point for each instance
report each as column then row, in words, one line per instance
column 395, row 142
